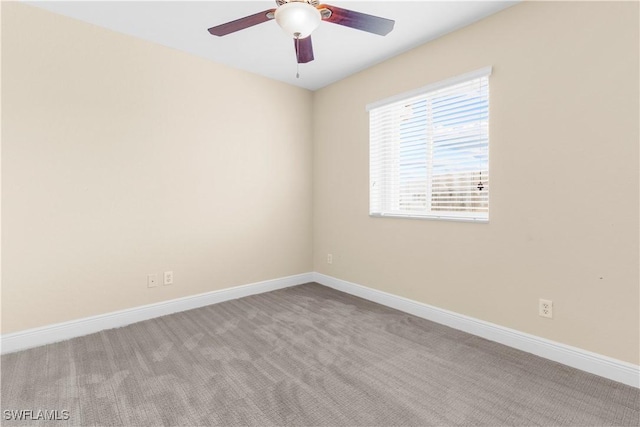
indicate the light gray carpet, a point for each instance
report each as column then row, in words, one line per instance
column 306, row 355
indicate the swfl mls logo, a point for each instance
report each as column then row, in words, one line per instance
column 35, row 415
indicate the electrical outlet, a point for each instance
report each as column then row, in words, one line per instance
column 329, row 259
column 168, row 277
column 152, row 280
column 545, row 308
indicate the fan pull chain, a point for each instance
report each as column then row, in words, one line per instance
column 297, row 55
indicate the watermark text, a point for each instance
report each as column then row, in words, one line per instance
column 35, row 415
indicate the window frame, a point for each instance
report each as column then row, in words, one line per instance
column 429, row 214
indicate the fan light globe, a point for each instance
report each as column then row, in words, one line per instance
column 298, row 18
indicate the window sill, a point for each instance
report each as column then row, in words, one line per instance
column 432, row 217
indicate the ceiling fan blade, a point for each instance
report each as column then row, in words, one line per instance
column 304, row 50
column 358, row 20
column 242, row 23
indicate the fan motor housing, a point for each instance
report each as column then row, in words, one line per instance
column 314, row 3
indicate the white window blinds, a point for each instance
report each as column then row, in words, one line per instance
column 429, row 151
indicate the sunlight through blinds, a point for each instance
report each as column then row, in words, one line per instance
column 429, row 151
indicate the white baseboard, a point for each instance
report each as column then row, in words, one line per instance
column 88, row 325
column 584, row 360
column 594, row 363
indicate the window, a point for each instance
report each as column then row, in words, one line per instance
column 429, row 151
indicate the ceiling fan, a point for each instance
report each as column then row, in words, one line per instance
column 299, row 18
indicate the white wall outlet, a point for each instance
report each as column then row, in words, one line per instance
column 329, row 259
column 545, row 308
column 168, row 277
column 152, row 280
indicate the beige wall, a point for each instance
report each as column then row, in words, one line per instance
column 122, row 158
column 564, row 178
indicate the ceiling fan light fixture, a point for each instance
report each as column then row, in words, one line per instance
column 298, row 18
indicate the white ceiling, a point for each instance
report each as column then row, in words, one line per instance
column 265, row 49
